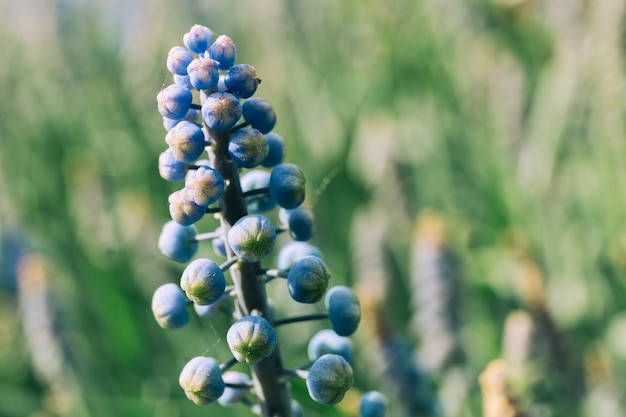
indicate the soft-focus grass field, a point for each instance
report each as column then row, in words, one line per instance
column 466, row 163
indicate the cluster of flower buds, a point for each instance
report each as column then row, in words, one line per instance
column 210, row 109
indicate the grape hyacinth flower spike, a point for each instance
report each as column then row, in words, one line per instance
column 233, row 166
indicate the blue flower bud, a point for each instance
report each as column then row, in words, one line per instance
column 219, row 247
column 223, row 51
column 170, row 168
column 344, row 310
column 174, row 101
column 251, row 339
column 178, row 242
column 203, row 73
column 260, row 114
column 254, row 180
column 296, row 409
column 247, row 147
column 327, row 341
column 198, row 38
column 201, row 379
column 330, row 377
column 183, row 209
column 252, row 237
column 203, row 281
column 177, row 60
column 287, row 185
column 294, row 251
column 299, row 221
column 308, row 280
column 373, row 404
column 276, row 153
column 241, row 80
column 205, row 186
column 221, row 111
column 169, row 306
column 231, row 395
column 186, row 140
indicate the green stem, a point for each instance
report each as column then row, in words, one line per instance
column 271, row 390
column 257, row 191
column 228, row 364
column 300, row 319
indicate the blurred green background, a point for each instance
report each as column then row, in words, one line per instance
column 465, row 164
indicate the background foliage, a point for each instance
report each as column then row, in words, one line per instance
column 482, row 139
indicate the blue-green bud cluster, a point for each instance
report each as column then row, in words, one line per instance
column 168, row 307
column 330, row 377
column 252, row 237
column 201, row 379
column 373, row 404
column 308, row 280
column 203, row 281
column 231, row 161
column 344, row 310
column 233, row 395
column 251, row 339
column 327, row 341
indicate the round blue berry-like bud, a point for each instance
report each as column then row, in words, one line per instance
column 276, row 152
column 213, row 309
column 242, row 80
column 221, row 111
column 344, row 310
column 330, row 377
column 201, row 379
column 198, row 38
column 287, row 185
column 296, row 409
column 251, row 339
column 259, row 113
column 186, row 140
column 308, row 280
column 205, row 186
column 183, row 209
column 233, row 395
column 299, row 221
column 178, row 242
column 203, row 281
column 170, row 168
column 294, row 251
column 373, row 404
column 327, row 341
column 203, row 73
column 254, row 180
column 177, row 60
column 219, row 247
column 247, row 147
column 223, row 51
column 252, row 237
column 174, row 101
column 168, row 306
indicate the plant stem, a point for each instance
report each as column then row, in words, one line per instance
column 271, row 389
column 299, row 319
